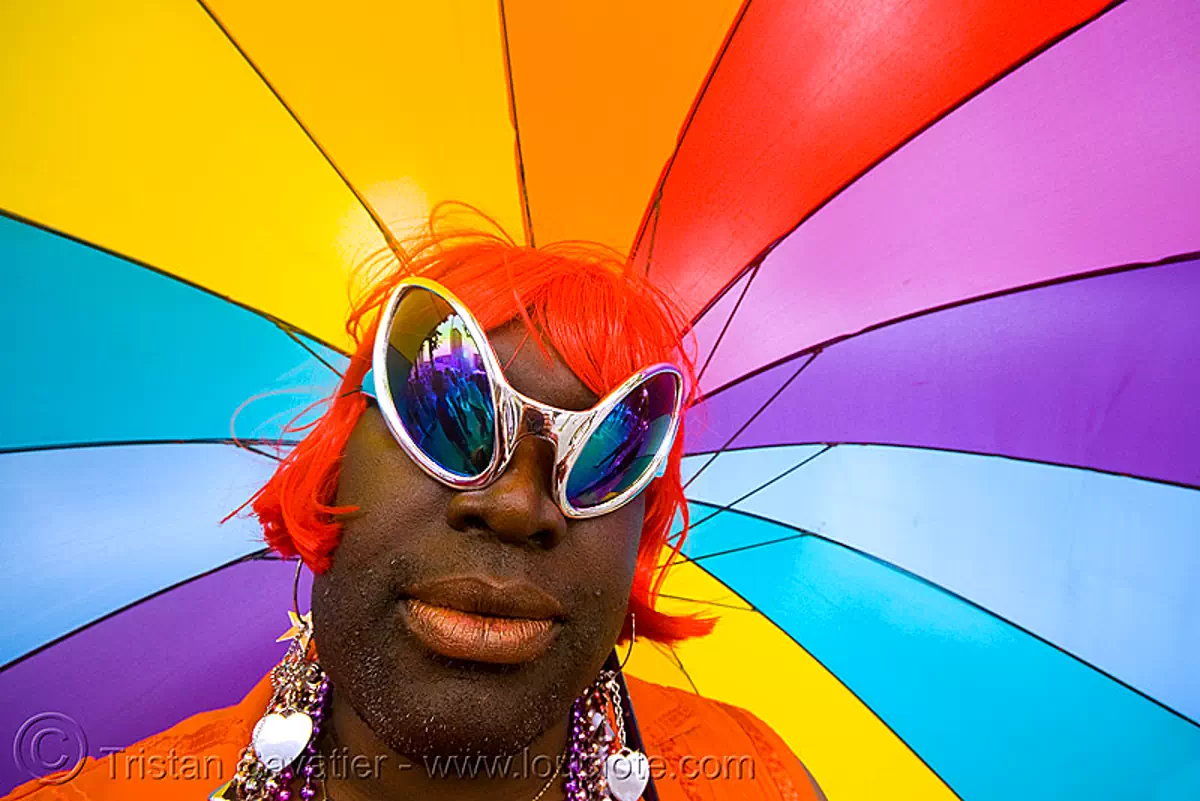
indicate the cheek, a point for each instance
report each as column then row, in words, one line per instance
column 607, row 554
column 391, row 492
column 378, row 477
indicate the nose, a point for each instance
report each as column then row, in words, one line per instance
column 519, row 506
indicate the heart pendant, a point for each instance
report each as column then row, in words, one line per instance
column 279, row 739
column 627, row 773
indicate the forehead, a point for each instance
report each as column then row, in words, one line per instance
column 531, row 373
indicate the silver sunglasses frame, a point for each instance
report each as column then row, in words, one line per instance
column 518, row 416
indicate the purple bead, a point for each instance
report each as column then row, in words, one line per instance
column 308, row 771
column 284, row 795
column 307, row 793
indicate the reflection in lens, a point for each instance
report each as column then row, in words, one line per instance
column 438, row 384
column 622, row 448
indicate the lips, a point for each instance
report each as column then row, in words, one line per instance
column 476, row 619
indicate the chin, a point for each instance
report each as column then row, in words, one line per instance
column 423, row 705
column 450, row 736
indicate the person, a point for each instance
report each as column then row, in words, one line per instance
column 471, row 585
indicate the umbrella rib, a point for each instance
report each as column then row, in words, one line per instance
column 728, row 320
column 753, row 417
column 703, row 602
column 760, row 487
column 800, row 534
column 803, row 532
column 1048, row 282
column 522, row 184
column 1016, row 65
column 679, row 664
column 240, row 443
column 250, row 557
column 388, row 238
column 287, row 329
column 252, row 449
column 657, row 195
column 652, row 212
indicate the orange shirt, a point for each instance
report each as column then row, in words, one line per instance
column 700, row 749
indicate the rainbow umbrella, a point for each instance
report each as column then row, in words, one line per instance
column 943, row 262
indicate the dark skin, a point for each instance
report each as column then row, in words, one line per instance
column 395, row 700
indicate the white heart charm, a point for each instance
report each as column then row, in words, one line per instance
column 627, row 773
column 279, row 739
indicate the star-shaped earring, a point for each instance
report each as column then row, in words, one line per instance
column 301, row 629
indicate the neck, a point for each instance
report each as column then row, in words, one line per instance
column 360, row 767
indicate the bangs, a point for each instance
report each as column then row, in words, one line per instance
column 581, row 299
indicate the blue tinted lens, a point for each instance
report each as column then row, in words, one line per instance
column 439, row 386
column 622, row 448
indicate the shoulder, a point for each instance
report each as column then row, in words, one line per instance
column 187, row 761
column 716, row 750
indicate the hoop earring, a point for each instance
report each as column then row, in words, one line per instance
column 296, row 587
column 601, row 763
column 632, row 638
column 288, row 730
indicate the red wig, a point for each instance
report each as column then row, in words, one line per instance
column 582, row 299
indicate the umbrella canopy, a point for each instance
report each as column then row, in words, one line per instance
column 943, row 261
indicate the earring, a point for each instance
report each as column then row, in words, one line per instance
column 600, row 759
column 290, row 725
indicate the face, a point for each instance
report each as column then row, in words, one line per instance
column 411, row 532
